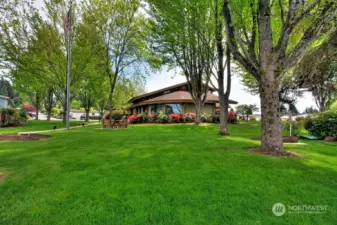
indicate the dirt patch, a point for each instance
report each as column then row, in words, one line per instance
column 23, row 137
column 274, row 153
column 284, row 139
column 22, row 124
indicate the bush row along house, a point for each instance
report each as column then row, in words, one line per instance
column 173, row 99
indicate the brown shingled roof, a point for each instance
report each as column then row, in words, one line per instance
column 161, row 90
column 178, row 97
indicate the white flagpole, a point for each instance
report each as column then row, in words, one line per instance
column 68, row 70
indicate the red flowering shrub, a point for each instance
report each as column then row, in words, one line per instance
column 29, row 108
column 132, row 118
column 176, row 118
column 232, row 117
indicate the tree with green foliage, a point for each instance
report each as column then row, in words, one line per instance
column 246, row 110
column 268, row 38
column 123, row 30
column 317, row 72
column 220, row 67
column 184, row 34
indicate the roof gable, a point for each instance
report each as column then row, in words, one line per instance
column 163, row 91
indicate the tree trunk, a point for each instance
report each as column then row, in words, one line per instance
column 270, row 109
column 223, row 116
column 64, row 112
column 87, row 111
column 223, row 131
column 37, row 105
column 110, row 104
column 198, row 112
column 48, row 115
column 225, row 98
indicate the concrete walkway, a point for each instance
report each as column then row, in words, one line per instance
column 60, row 129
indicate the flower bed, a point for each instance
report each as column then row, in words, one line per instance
column 178, row 118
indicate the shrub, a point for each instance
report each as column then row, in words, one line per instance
column 12, row 117
column 190, row 117
column 176, row 118
column 216, row 119
column 242, row 118
column 132, row 119
column 296, row 127
column 153, row 117
column 23, row 115
column 29, row 107
column 142, row 118
column 299, row 119
column 162, row 117
column 308, row 123
column 323, row 124
column 206, row 118
column 232, row 117
column 116, row 115
column 252, row 118
column 55, row 112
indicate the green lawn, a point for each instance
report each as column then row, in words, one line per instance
column 162, row 174
column 37, row 125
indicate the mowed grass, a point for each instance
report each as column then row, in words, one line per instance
column 37, row 125
column 162, row 174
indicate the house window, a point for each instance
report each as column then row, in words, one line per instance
column 145, row 109
column 156, row 108
column 173, row 108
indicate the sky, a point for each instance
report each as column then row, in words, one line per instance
column 164, row 78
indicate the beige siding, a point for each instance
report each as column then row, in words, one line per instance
column 207, row 109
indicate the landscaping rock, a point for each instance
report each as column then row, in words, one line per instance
column 330, row 139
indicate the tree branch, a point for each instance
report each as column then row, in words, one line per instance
column 251, row 67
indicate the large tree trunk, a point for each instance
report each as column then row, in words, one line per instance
column 227, row 93
column 270, row 109
column 223, row 97
column 198, row 106
column 223, row 116
column 48, row 115
column 87, row 111
column 269, row 85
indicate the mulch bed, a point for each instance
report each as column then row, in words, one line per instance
column 285, row 139
column 274, row 153
column 21, row 124
column 23, row 137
